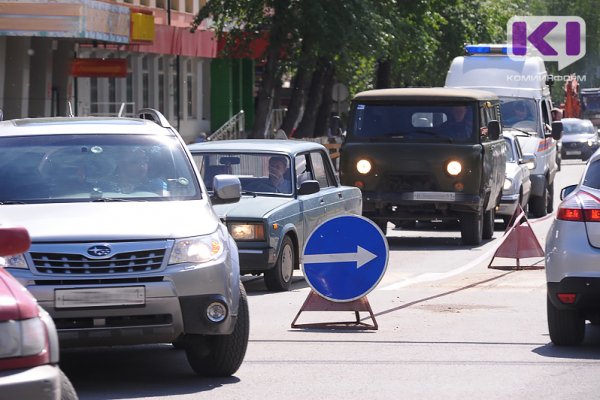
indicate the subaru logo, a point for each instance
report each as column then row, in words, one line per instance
column 99, row 250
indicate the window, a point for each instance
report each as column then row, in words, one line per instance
column 189, row 89
column 161, row 85
column 145, row 82
column 320, row 171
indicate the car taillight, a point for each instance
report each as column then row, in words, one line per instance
column 23, row 344
column 582, row 207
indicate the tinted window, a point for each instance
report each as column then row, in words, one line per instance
column 71, row 168
column 428, row 122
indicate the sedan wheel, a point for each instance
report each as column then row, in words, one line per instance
column 279, row 278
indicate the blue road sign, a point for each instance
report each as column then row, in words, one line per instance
column 345, row 258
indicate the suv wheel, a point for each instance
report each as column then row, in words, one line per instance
column 279, row 278
column 538, row 205
column 566, row 327
column 221, row 355
column 471, row 228
column 488, row 224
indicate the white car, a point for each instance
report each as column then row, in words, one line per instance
column 126, row 247
column 572, row 255
column 517, row 184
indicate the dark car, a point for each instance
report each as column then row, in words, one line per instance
column 427, row 154
column 580, row 138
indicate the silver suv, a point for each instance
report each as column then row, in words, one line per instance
column 126, row 248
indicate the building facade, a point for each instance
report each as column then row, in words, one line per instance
column 95, row 57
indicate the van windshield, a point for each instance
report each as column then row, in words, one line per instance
column 428, row 122
column 519, row 113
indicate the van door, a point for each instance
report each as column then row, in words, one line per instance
column 494, row 164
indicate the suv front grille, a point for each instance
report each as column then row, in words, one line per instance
column 120, row 263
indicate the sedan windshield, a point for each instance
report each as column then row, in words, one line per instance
column 578, row 127
column 258, row 173
column 81, row 168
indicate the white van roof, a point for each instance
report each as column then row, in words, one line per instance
column 500, row 74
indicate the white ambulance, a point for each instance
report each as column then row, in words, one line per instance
column 525, row 104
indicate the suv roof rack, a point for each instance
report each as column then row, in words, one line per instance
column 155, row 116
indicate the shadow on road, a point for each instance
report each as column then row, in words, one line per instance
column 589, row 350
column 131, row 372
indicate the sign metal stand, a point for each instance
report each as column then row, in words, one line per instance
column 314, row 302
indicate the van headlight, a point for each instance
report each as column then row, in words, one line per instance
column 363, row 166
column 454, row 168
column 199, row 249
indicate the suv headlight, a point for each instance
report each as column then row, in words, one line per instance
column 16, row 261
column 22, row 338
column 199, row 249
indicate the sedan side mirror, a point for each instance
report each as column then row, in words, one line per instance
column 557, row 130
column 309, row 187
column 227, row 189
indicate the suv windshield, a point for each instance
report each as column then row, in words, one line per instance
column 81, row 168
column 427, row 122
column 258, row 173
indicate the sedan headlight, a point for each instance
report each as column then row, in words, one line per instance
column 507, row 184
column 247, row 231
column 16, row 261
column 592, row 142
column 199, row 249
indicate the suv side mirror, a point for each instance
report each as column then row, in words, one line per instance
column 493, row 128
column 557, row 130
column 528, row 159
column 227, row 189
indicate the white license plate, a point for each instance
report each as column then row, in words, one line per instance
column 100, row 297
column 573, row 152
column 435, row 196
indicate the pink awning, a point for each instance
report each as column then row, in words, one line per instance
column 180, row 41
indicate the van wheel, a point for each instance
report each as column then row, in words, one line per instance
column 221, row 355
column 566, row 327
column 471, row 228
column 550, row 205
column 538, row 205
column 279, row 278
column 488, row 224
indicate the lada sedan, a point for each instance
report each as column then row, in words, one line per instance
column 289, row 187
column 126, row 248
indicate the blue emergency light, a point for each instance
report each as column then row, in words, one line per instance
column 484, row 49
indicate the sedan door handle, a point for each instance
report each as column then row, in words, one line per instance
column 322, row 201
column 340, row 195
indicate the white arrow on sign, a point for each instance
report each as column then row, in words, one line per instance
column 361, row 257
